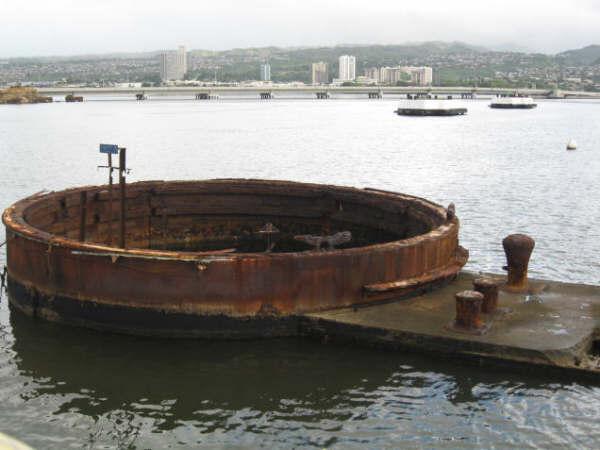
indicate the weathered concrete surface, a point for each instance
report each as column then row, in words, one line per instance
column 554, row 325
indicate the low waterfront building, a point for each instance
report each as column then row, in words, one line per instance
column 366, row 80
column 420, row 76
column 128, row 85
column 391, row 75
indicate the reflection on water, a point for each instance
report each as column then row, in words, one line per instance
column 63, row 387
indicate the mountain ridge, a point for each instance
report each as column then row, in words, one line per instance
column 579, row 54
column 588, row 55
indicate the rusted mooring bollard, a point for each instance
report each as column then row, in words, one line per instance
column 518, row 248
column 489, row 288
column 468, row 310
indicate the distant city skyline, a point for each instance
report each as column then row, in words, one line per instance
column 433, row 63
column 65, row 27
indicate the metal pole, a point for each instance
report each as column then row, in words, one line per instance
column 82, row 214
column 110, row 199
column 122, row 168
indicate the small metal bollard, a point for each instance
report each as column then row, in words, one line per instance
column 518, row 248
column 489, row 288
column 468, row 310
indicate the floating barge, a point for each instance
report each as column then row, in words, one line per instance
column 70, row 98
column 222, row 258
column 429, row 108
column 513, row 102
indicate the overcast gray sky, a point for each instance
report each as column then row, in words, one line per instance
column 64, row 27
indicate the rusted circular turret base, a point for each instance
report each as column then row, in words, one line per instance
column 222, row 258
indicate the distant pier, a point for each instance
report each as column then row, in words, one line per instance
column 319, row 92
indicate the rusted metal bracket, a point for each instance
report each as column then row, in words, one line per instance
column 332, row 241
column 268, row 231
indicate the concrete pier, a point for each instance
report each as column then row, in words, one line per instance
column 192, row 90
column 552, row 326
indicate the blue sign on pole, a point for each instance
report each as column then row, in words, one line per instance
column 109, row 148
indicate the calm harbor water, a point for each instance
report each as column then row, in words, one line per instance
column 506, row 171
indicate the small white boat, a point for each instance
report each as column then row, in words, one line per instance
column 430, row 108
column 513, row 102
column 571, row 145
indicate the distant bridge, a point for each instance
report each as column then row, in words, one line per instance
column 321, row 92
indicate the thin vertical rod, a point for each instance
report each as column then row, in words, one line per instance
column 82, row 214
column 110, row 200
column 122, row 169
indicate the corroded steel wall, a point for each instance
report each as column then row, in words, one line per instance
column 46, row 261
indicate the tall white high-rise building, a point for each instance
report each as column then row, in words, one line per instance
column 173, row 64
column 347, row 68
column 265, row 72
